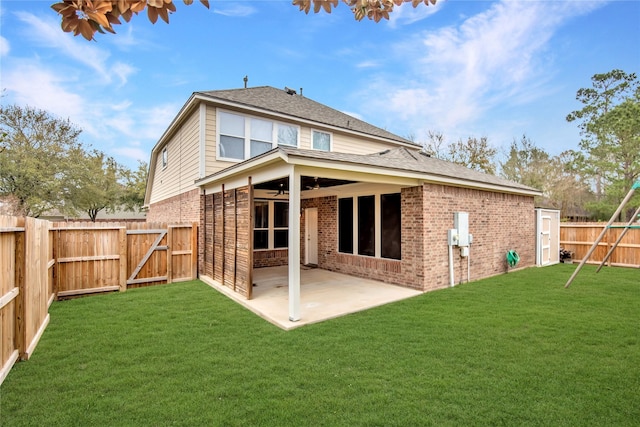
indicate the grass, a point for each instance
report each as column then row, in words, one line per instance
column 516, row 349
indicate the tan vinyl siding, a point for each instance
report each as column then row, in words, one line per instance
column 305, row 138
column 349, row 144
column 211, row 165
column 182, row 162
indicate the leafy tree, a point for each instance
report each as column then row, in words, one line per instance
column 95, row 186
column 135, row 184
column 527, row 164
column 35, row 160
column 610, row 146
column 86, row 17
column 473, row 153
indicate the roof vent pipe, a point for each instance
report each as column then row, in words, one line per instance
column 246, row 80
column 300, row 91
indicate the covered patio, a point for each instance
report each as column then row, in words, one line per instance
column 325, row 295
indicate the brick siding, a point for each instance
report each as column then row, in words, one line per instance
column 178, row 209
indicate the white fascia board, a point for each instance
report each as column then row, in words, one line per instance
column 400, row 177
column 310, row 123
column 245, row 169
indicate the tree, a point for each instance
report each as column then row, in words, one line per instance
column 35, row 165
column 135, row 184
column 474, row 153
column 86, row 17
column 610, row 129
column 95, row 186
column 527, row 164
column 561, row 185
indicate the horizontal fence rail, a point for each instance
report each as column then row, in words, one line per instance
column 41, row 261
column 578, row 239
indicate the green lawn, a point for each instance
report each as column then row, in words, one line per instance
column 517, row 349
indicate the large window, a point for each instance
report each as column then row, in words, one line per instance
column 370, row 225
column 270, row 224
column 241, row 137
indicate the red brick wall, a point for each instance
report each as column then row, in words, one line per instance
column 498, row 222
column 182, row 208
column 270, row 258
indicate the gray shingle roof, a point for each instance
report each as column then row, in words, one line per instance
column 403, row 159
column 297, row 106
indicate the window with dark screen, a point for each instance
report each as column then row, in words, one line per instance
column 366, row 225
column 345, row 225
column 390, row 226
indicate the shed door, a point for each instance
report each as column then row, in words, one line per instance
column 545, row 240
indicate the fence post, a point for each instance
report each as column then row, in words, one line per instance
column 20, row 266
column 195, row 249
column 169, row 253
column 122, row 244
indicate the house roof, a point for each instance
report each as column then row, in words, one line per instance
column 280, row 101
column 392, row 161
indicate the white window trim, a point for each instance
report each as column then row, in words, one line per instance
column 330, row 140
column 271, row 226
column 247, row 134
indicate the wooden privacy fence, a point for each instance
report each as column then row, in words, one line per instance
column 578, row 238
column 40, row 261
column 114, row 256
column 26, row 261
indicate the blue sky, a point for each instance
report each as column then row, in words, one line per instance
column 498, row 69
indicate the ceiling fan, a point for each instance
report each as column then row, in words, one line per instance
column 316, row 186
column 281, row 190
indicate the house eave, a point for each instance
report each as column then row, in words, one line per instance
column 393, row 174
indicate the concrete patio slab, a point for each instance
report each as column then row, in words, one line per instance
column 323, row 295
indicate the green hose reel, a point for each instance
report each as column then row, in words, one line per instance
column 513, row 258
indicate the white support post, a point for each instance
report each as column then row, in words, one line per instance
column 294, row 245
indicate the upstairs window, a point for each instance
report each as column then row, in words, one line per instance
column 232, row 136
column 288, row 135
column 165, row 157
column 321, row 140
column 242, row 137
column 261, row 136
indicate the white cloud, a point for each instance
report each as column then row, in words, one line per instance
column 367, row 64
column 4, row 46
column 406, row 14
column 29, row 83
column 460, row 72
column 132, row 153
column 236, row 10
column 46, row 32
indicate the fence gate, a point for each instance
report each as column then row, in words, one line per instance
column 112, row 257
column 155, row 256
